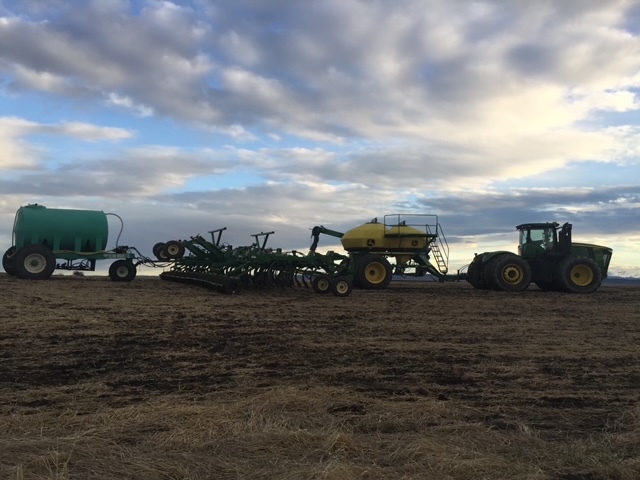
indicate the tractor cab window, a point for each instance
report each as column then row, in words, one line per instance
column 536, row 241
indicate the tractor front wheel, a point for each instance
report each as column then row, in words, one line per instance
column 8, row 261
column 509, row 273
column 373, row 272
column 34, row 262
column 122, row 271
column 578, row 275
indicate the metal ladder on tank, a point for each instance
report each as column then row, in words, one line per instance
column 440, row 249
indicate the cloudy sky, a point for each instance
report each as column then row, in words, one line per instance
column 255, row 115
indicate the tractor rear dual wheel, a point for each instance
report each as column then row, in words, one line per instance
column 509, row 273
column 576, row 274
column 475, row 273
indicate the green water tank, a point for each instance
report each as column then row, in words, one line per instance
column 61, row 229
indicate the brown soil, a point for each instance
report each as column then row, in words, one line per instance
column 157, row 380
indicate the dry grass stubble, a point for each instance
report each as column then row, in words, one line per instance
column 156, row 381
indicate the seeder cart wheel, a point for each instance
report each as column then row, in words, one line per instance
column 373, row 272
column 122, row 271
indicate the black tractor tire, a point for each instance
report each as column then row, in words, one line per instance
column 475, row 273
column 321, row 283
column 373, row 272
column 341, row 286
column 174, row 249
column 509, row 273
column 576, row 274
column 546, row 286
column 8, row 261
column 160, row 252
column 34, row 262
column 122, row 271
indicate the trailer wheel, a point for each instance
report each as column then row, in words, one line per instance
column 321, row 284
column 34, row 262
column 373, row 272
column 578, row 275
column 8, row 261
column 341, row 286
column 173, row 249
column 509, row 273
column 160, row 252
column 122, row 271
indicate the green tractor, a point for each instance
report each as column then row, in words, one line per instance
column 546, row 257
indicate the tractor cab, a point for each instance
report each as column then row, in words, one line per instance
column 537, row 239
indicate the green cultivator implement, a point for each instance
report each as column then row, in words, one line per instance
column 408, row 240
column 228, row 270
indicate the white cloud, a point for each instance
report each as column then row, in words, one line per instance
column 345, row 109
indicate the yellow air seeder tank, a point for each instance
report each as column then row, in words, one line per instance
column 377, row 237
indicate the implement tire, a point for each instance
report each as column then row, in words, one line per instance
column 34, row 262
column 509, row 273
column 373, row 272
column 321, row 284
column 122, row 271
column 576, row 274
column 8, row 261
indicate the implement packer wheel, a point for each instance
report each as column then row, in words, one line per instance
column 373, row 272
column 509, row 273
column 160, row 251
column 341, row 286
column 321, row 284
column 122, row 271
column 34, row 262
column 577, row 275
column 8, row 261
column 174, row 249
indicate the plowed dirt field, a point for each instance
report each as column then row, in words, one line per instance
column 157, row 380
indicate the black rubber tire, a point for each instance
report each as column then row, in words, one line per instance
column 475, row 273
column 373, row 272
column 122, row 271
column 546, row 286
column 8, row 261
column 509, row 273
column 321, row 284
column 341, row 286
column 34, row 262
column 576, row 274
column 174, row 249
column 159, row 251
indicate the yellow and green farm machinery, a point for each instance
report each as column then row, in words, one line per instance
column 408, row 240
column 401, row 245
